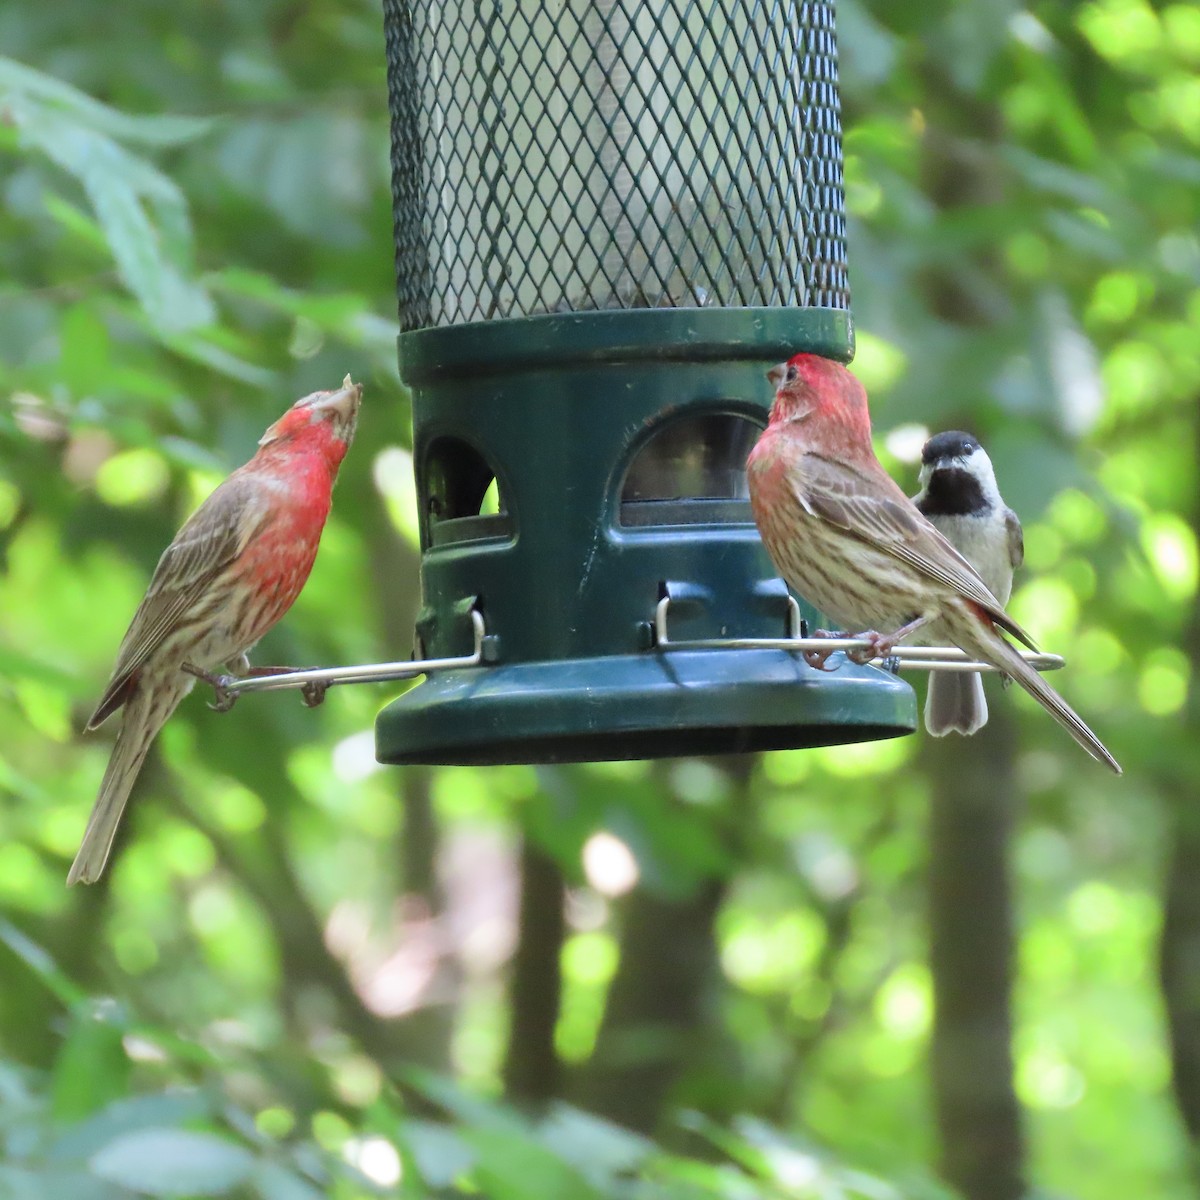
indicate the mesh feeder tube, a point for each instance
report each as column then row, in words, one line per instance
column 611, row 218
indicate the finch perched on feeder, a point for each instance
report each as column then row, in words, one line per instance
column 842, row 533
column 959, row 496
column 232, row 571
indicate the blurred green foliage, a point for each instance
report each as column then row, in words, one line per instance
column 194, row 230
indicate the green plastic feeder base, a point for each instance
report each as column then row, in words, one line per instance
column 639, row 706
column 614, row 446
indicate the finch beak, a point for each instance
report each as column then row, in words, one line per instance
column 344, row 401
column 777, row 375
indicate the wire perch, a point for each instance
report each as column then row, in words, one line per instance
column 904, row 658
column 326, row 677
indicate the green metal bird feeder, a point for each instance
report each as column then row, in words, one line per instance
column 611, row 217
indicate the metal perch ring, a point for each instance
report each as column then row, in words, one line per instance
column 906, row 658
column 366, row 673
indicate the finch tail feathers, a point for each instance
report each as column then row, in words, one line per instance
column 146, row 712
column 955, row 703
column 991, row 647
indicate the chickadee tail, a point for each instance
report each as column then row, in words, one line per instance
column 1000, row 653
column 955, row 703
column 145, row 714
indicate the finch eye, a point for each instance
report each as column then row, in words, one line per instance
column 792, row 375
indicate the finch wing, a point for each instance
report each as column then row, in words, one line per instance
column 1016, row 538
column 869, row 504
column 212, row 537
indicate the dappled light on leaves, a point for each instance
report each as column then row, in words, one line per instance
column 878, row 363
column 1170, row 545
column 904, row 442
column 1048, row 606
column 1046, row 1080
column 132, row 477
column 1163, row 682
column 609, row 864
column 358, row 1080
column 311, row 958
column 770, row 954
column 354, row 757
column 376, row 1158
column 864, row 758
column 393, row 476
column 589, row 962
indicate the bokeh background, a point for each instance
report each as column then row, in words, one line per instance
column 879, row 971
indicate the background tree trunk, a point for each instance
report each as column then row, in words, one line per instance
column 971, row 780
column 531, row 1068
column 658, row 1004
column 971, row 950
column 1179, row 950
column 655, row 1008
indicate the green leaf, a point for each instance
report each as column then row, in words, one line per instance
column 41, row 964
column 84, row 356
column 173, row 1162
column 515, row 1168
column 204, row 351
column 76, row 222
column 171, row 301
column 597, row 1147
column 275, row 1182
column 92, row 1067
column 440, row 1153
column 154, row 1111
column 1054, row 178
column 469, row 1109
column 26, row 322
column 40, row 1183
column 17, row 79
column 868, row 51
column 151, row 255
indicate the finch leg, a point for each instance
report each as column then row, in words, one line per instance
column 818, row 658
column 312, row 693
column 882, row 644
column 224, row 699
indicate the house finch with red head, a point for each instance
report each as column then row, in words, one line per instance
column 842, row 533
column 232, row 571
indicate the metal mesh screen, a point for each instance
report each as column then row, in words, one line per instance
column 559, row 155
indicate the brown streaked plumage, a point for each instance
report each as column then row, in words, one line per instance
column 231, row 572
column 845, row 537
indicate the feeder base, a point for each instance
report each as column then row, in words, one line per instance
column 639, row 706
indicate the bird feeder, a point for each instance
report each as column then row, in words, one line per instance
column 611, row 218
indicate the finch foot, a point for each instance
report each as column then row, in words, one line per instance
column 882, row 644
column 818, row 659
column 312, row 693
column 223, row 698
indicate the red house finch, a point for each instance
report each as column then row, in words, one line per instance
column 843, row 534
column 960, row 498
column 232, row 571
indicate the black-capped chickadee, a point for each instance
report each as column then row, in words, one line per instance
column 959, row 495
